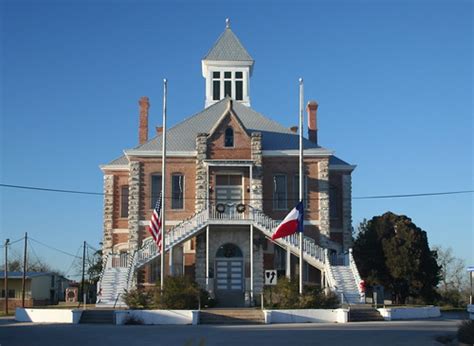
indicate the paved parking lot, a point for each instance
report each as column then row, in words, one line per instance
column 404, row 333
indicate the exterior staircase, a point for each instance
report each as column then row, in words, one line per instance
column 117, row 278
column 346, row 284
column 231, row 316
column 97, row 316
column 113, row 283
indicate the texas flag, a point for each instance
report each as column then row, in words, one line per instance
column 292, row 223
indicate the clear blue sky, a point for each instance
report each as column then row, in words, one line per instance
column 393, row 80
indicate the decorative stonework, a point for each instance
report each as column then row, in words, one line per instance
column 201, row 173
column 323, row 186
column 133, row 204
column 108, row 213
column 257, row 170
column 347, row 210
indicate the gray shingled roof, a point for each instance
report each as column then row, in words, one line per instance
column 182, row 137
column 229, row 48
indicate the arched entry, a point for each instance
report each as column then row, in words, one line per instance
column 229, row 269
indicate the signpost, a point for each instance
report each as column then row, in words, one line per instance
column 270, row 277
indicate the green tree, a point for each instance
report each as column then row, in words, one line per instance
column 390, row 250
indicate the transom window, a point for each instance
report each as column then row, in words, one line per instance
column 229, row 250
column 279, row 192
column 229, row 137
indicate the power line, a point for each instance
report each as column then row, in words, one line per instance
column 53, row 248
column 260, row 199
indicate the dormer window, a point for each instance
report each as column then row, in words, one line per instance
column 229, row 138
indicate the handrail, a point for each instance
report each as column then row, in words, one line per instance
column 355, row 271
column 329, row 275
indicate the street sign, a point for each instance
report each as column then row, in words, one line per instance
column 270, row 277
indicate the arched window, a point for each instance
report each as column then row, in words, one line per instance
column 229, row 137
column 229, row 250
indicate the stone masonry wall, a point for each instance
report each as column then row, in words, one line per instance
column 347, row 210
column 257, row 170
column 108, row 213
column 201, row 173
column 134, row 205
column 323, row 187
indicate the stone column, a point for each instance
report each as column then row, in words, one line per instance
column 202, row 184
column 323, row 189
column 201, row 261
column 133, row 205
column 108, row 213
column 257, row 170
column 347, row 211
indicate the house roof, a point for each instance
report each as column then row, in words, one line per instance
column 228, row 48
column 182, row 137
column 19, row 275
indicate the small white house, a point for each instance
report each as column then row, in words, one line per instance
column 41, row 288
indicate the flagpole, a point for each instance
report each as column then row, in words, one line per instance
column 163, row 185
column 301, row 177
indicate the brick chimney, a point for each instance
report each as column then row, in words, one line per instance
column 312, row 110
column 143, row 127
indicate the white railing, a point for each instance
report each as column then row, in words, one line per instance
column 331, row 280
column 230, row 211
column 354, row 270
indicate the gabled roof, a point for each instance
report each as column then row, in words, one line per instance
column 182, row 137
column 228, row 48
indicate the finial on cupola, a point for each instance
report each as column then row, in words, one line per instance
column 227, row 23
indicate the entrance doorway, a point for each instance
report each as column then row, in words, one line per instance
column 229, row 269
column 228, row 192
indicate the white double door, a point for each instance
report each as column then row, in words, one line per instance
column 229, row 274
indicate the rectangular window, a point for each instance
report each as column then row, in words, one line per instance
column 155, row 189
column 227, row 88
column 238, row 90
column 177, row 191
column 228, row 75
column 216, row 90
column 124, row 201
column 333, row 202
column 238, row 75
column 216, row 75
column 279, row 192
column 296, row 191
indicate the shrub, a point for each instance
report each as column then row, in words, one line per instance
column 138, row 299
column 285, row 295
column 132, row 320
column 466, row 332
column 179, row 292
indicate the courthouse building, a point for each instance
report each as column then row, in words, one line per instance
column 231, row 176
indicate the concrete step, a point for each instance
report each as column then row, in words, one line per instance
column 231, row 316
column 97, row 316
column 363, row 312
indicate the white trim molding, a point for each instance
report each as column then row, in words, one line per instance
column 295, row 152
column 349, row 168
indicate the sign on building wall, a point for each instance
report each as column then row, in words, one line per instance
column 270, row 277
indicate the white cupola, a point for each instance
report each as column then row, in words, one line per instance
column 227, row 68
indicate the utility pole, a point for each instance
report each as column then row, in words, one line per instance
column 23, row 282
column 83, row 274
column 5, row 278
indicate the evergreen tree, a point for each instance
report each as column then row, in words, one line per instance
column 390, row 250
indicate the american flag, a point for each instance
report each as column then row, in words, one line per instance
column 155, row 224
